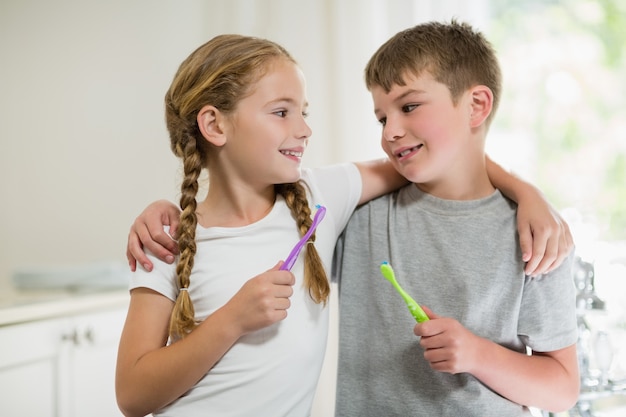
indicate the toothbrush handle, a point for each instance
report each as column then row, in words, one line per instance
column 416, row 311
column 293, row 255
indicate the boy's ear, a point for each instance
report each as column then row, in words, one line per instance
column 211, row 123
column 482, row 104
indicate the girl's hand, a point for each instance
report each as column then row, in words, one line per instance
column 448, row 346
column 545, row 237
column 147, row 230
column 263, row 300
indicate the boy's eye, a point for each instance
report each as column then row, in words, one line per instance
column 382, row 121
column 281, row 113
column 407, row 108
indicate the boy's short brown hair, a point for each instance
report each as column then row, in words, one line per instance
column 453, row 53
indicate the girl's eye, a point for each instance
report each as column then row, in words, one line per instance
column 382, row 121
column 407, row 108
column 281, row 113
column 305, row 114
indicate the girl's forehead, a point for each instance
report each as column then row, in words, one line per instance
column 281, row 79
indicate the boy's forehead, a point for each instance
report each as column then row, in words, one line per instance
column 410, row 82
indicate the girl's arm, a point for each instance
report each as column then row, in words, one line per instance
column 545, row 237
column 378, row 177
column 151, row 374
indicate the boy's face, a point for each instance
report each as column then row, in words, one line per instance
column 426, row 136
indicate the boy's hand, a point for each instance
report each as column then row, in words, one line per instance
column 448, row 346
column 147, row 230
column 545, row 241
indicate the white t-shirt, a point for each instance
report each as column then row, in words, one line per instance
column 273, row 371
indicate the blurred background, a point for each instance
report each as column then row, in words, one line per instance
column 84, row 145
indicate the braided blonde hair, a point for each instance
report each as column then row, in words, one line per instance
column 220, row 73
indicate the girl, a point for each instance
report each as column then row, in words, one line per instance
column 237, row 107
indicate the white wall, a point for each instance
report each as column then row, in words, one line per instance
column 83, row 142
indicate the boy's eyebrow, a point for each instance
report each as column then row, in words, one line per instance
column 408, row 92
column 403, row 95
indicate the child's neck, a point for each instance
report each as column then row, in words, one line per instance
column 468, row 188
column 235, row 208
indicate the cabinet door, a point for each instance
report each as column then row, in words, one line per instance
column 90, row 358
column 29, row 360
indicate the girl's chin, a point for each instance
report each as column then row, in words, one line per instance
column 292, row 178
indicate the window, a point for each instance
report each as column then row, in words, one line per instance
column 562, row 125
column 562, row 120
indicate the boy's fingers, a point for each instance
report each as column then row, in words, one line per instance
column 135, row 253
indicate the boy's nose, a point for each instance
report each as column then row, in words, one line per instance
column 392, row 132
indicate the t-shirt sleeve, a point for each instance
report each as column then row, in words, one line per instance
column 337, row 187
column 162, row 279
column 548, row 310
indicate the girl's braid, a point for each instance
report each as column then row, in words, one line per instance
column 315, row 278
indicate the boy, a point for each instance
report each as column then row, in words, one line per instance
column 451, row 238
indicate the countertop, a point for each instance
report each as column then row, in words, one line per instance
column 24, row 306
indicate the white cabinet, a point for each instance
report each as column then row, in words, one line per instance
column 61, row 367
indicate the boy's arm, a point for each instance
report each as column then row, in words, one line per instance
column 545, row 237
column 548, row 380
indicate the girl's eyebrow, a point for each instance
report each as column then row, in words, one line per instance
column 287, row 100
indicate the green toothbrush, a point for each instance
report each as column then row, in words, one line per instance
column 414, row 308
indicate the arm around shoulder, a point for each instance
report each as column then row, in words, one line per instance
column 544, row 235
column 147, row 230
column 379, row 177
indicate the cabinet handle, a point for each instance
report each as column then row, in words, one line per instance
column 77, row 338
column 89, row 335
column 71, row 337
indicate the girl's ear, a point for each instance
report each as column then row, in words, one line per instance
column 482, row 104
column 210, row 121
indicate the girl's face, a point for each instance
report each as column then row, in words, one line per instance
column 267, row 134
column 424, row 134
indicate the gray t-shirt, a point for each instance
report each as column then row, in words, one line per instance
column 460, row 258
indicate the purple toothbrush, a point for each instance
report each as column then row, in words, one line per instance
column 293, row 255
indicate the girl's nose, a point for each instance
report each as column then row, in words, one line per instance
column 304, row 131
